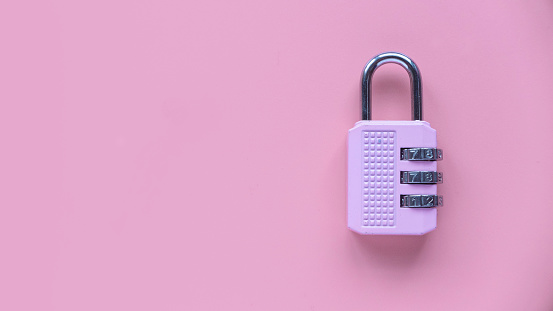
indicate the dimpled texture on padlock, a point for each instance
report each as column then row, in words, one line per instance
column 392, row 169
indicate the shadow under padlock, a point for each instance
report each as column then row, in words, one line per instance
column 394, row 250
column 392, row 169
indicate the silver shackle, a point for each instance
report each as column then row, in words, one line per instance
column 414, row 76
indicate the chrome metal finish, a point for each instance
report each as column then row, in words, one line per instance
column 421, row 177
column 414, row 76
column 421, row 154
column 420, row 200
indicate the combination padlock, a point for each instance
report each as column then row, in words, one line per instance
column 392, row 169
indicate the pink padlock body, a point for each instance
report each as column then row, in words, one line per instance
column 374, row 186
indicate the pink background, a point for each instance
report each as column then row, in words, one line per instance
column 173, row 155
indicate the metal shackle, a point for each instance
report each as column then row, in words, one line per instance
column 414, row 76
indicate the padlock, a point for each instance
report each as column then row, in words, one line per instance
column 392, row 168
